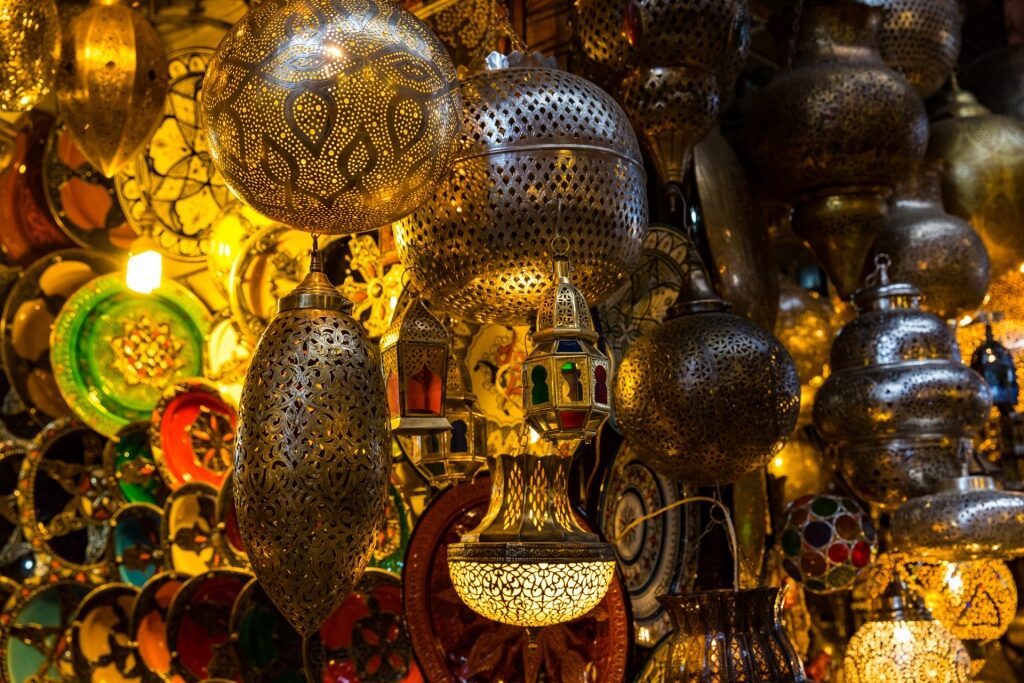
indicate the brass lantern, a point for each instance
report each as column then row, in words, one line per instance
column 30, row 45
column 414, row 357
column 111, row 83
column 921, row 39
column 566, row 378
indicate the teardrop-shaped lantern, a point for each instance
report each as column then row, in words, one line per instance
column 313, row 453
column 111, row 83
column 30, row 44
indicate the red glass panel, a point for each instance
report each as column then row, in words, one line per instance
column 572, row 419
column 423, row 393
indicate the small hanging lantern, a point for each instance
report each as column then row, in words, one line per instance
column 565, row 377
column 992, row 361
column 414, row 357
column 448, row 457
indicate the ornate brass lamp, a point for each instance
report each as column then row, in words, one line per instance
column 111, row 83
column 921, row 39
column 414, row 358
column 313, row 453
column 30, row 44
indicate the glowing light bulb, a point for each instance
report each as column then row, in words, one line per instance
column 145, row 266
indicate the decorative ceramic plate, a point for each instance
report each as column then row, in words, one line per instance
column 149, row 623
column 235, row 223
column 228, row 352
column 366, row 638
column 658, row 556
column 82, row 200
column 17, row 560
column 199, row 625
column 128, row 456
column 135, row 547
column 67, row 498
column 228, row 537
column 389, row 552
column 101, row 638
column 31, row 309
column 33, row 638
column 192, row 433
column 188, row 528
column 174, row 174
column 115, row 351
column 655, row 669
column 269, row 650
column 453, row 643
column 367, row 271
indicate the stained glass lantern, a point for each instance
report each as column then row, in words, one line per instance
column 565, row 377
column 414, row 356
column 992, row 361
column 825, row 541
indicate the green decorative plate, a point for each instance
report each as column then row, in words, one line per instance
column 115, row 351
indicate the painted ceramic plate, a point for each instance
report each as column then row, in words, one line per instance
column 228, row 352
column 128, row 456
column 189, row 525
column 30, row 312
column 658, row 556
column 655, row 669
column 174, row 174
column 269, row 650
column 149, row 623
column 82, row 200
column 67, row 498
column 366, row 638
column 135, row 544
column 115, row 351
column 199, row 624
column 228, row 539
column 389, row 553
column 17, row 559
column 101, row 638
column 33, row 638
column 453, row 643
column 192, row 433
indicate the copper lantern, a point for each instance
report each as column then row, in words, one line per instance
column 921, row 39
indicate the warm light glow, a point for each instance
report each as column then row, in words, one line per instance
column 145, row 267
column 905, row 652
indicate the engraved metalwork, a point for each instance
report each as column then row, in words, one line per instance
column 899, row 409
column 100, row 642
column 30, row 43
column 534, row 138
column 600, row 49
column 682, row 388
column 111, row 83
column 350, row 106
column 313, row 453
column 921, row 39
column 966, row 519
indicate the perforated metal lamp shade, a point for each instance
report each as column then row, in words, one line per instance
column 414, row 358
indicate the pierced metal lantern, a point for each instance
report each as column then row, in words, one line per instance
column 313, row 453
column 30, row 44
column 414, row 358
column 994, row 362
column 899, row 409
column 921, row 39
column 111, row 83
column 966, row 519
column 730, row 636
column 534, row 138
column 566, row 377
column 529, row 563
column 333, row 116
column 706, row 396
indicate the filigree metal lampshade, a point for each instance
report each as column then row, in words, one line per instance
column 111, row 83
column 333, row 116
column 30, row 44
column 414, row 358
column 534, row 137
column 529, row 563
column 313, row 453
column 706, row 396
column 921, row 39
column 968, row 518
column 899, row 409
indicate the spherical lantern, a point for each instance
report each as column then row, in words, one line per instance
column 600, row 47
column 835, row 133
column 899, row 409
column 937, row 252
column 30, row 44
column 313, row 453
column 982, row 159
column 706, row 396
column 825, row 541
column 111, row 83
column 975, row 600
column 333, row 116
column 542, row 152
column 905, row 650
column 921, row 39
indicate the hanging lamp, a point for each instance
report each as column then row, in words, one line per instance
column 30, row 43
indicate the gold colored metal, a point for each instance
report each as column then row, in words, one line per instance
column 30, row 45
column 600, row 49
column 313, row 453
column 805, row 326
column 332, row 116
column 982, row 160
column 534, row 137
column 936, row 252
column 529, row 563
column 707, row 396
column 921, row 39
column 905, row 651
column 111, row 83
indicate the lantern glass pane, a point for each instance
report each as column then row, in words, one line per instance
column 572, row 382
column 539, row 392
